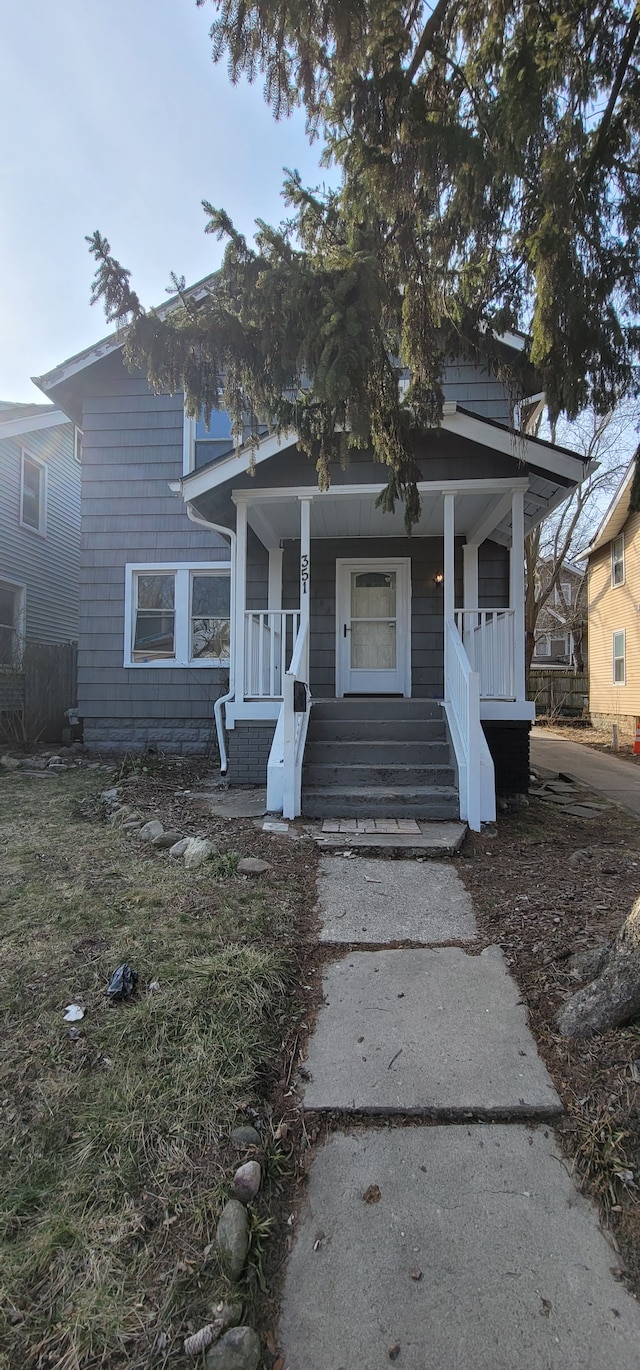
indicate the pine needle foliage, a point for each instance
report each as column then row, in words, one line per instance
column 490, row 180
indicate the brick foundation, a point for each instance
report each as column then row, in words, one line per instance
column 248, row 747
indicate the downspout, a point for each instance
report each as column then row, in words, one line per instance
column 202, row 522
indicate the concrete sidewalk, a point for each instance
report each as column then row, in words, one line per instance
column 608, row 775
column 457, row 1242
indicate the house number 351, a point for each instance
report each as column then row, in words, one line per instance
column 304, row 573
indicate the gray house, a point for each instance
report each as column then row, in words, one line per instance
column 353, row 668
column 39, row 541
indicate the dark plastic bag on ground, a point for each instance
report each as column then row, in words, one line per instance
column 122, row 982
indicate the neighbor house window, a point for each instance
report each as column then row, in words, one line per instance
column 562, row 594
column 543, row 645
column 619, row 658
column 617, row 560
column 33, row 495
column 178, row 615
column 12, row 599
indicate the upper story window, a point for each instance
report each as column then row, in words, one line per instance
column 617, row 560
column 178, row 615
column 33, row 494
column 203, row 444
column 562, row 594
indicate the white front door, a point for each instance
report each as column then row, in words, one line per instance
column 373, row 619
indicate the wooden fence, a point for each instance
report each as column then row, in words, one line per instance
column 559, row 692
column 33, row 700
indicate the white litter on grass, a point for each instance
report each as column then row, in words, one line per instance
column 73, row 1013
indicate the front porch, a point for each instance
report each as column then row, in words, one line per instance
column 332, row 601
column 375, row 616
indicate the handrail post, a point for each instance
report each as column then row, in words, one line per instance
column 289, row 749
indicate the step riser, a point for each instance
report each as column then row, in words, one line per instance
column 435, row 810
column 377, row 753
column 343, row 776
column 376, row 708
column 365, row 730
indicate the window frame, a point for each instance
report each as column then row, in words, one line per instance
column 41, row 466
column 19, row 588
column 546, row 638
column 189, row 445
column 619, row 632
column 183, row 572
column 617, row 561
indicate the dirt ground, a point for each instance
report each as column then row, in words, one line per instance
column 599, row 739
column 545, row 884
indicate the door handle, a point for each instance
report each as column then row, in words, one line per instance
column 345, row 630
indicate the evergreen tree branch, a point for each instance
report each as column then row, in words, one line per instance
column 633, row 31
column 429, row 33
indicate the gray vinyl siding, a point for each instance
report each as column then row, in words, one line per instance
column 47, row 566
column 132, row 448
column 427, row 647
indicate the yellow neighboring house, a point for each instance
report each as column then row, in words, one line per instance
column 614, row 614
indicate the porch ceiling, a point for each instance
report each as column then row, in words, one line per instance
column 343, row 513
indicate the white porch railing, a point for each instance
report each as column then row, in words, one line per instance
column 269, row 637
column 489, row 641
column 476, row 775
column 284, row 769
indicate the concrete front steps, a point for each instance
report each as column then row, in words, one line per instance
column 378, row 757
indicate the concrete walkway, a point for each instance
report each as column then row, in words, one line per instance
column 457, row 1240
column 608, row 775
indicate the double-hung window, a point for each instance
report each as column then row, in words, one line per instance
column 619, row 673
column 178, row 615
column 12, row 605
column 206, row 443
column 617, row 560
column 33, row 494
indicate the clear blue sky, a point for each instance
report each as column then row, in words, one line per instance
column 113, row 116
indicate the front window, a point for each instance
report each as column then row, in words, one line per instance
column 32, row 494
column 154, row 637
column 619, row 658
column 178, row 615
column 617, row 560
column 543, row 645
column 210, row 616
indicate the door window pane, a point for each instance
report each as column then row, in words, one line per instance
column 373, row 594
column 154, row 631
column 373, row 646
column 210, row 617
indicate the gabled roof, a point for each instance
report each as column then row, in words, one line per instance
column 616, row 515
column 513, row 340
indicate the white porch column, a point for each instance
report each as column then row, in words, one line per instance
column 305, row 571
column 469, row 592
column 517, row 592
column 449, row 556
column 274, row 599
column 241, row 596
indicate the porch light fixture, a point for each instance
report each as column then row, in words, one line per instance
column 438, row 578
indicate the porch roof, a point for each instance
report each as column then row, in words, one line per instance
column 481, row 462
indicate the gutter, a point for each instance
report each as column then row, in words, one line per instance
column 202, row 522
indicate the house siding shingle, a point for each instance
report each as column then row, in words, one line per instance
column 132, row 448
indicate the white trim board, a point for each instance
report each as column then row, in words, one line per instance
column 35, row 423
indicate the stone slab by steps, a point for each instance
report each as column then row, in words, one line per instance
column 392, row 901
column 434, row 839
column 438, row 1033
column 233, row 801
column 515, row 1271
